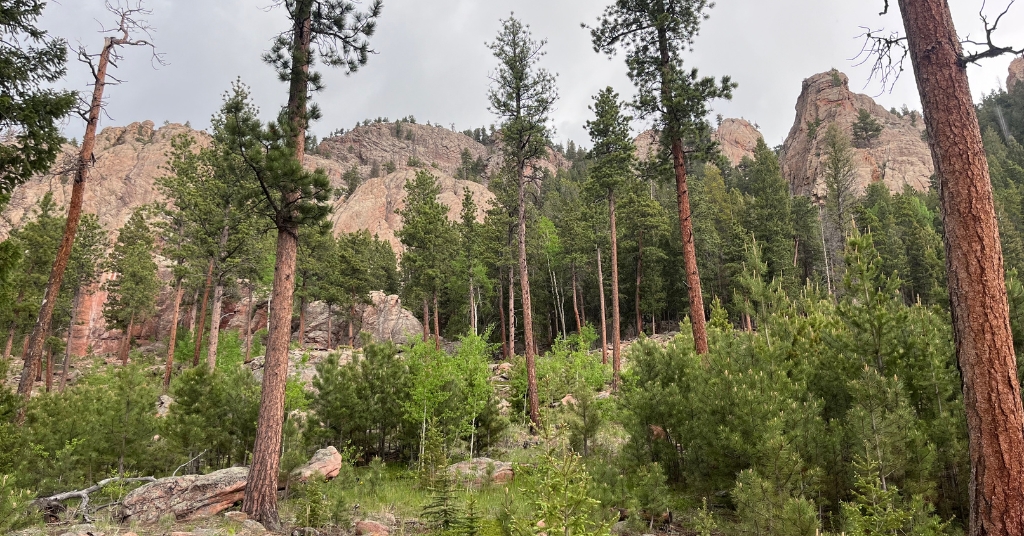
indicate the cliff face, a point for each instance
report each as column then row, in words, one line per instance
column 372, row 206
column 737, row 138
column 1016, row 73
column 898, row 157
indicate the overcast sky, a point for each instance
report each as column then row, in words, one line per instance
column 432, row 62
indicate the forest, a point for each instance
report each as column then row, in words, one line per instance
column 648, row 339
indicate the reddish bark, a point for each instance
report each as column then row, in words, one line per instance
column 501, row 315
column 974, row 264
column 575, row 301
column 697, row 320
column 173, row 336
column 202, row 316
column 604, row 313
column 616, row 315
column 524, row 283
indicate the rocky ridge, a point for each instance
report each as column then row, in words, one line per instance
column 899, row 157
column 1016, row 73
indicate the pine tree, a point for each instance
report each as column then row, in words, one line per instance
column 769, row 216
column 654, row 36
column 615, row 159
column 865, row 129
column 522, row 96
column 132, row 291
column 84, row 268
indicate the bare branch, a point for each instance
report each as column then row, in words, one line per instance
column 989, row 48
column 887, row 52
column 83, row 494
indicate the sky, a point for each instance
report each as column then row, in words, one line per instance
column 432, row 61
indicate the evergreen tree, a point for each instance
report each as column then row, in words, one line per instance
column 838, row 176
column 654, row 36
column 769, row 217
column 132, row 291
column 523, row 97
column 84, row 268
column 865, row 129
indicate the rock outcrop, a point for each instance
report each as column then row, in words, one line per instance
column 185, row 497
column 372, row 206
column 737, row 138
column 326, row 463
column 1016, row 73
column 480, row 471
column 386, row 320
column 898, row 157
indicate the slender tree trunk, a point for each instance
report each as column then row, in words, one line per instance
column 250, row 310
column 260, row 501
column 218, row 302
column 472, row 307
column 10, row 340
column 126, row 346
column 351, row 326
column 76, row 301
column 437, row 324
column 604, row 312
column 501, row 316
column 700, row 334
column 302, row 322
column 524, row 283
column 511, row 313
column 616, row 315
column 202, row 316
column 639, row 276
column 193, row 311
column 49, row 369
column 575, row 301
column 426, row 320
column 974, row 264
column 330, row 312
column 85, row 158
column 173, row 336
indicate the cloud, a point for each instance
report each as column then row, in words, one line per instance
column 432, row 61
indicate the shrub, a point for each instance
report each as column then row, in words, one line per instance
column 14, row 506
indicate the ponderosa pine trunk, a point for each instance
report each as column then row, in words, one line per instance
column 974, row 264
column 34, row 351
column 616, row 315
column 76, row 302
column 173, row 335
column 426, row 320
column 437, row 325
column 604, row 311
column 639, row 278
column 524, row 283
column 575, row 301
column 250, row 311
column 215, row 312
column 260, row 501
column 697, row 320
column 501, row 316
column 126, row 346
column 200, row 331
column 302, row 322
column 193, row 311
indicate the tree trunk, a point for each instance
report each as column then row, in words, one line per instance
column 426, row 320
column 249, row 312
column 49, row 369
column 437, row 325
column 700, row 333
column 85, row 158
column 351, row 326
column 501, row 316
column 616, row 315
column 218, row 302
column 76, row 301
column 127, row 344
column 173, row 336
column 604, row 312
column 302, row 322
column 193, row 312
column 10, row 340
column 974, row 264
column 575, row 301
column 330, row 311
column 511, row 313
column 639, row 276
column 524, row 283
column 260, row 501
column 472, row 307
column 202, row 316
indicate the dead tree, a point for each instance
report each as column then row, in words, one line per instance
column 974, row 258
column 130, row 23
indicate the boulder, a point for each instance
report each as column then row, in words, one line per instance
column 185, row 497
column 163, row 405
column 326, row 462
column 370, row 528
column 481, row 470
column 237, row 517
column 253, row 526
column 386, row 320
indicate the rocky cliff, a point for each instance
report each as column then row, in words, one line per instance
column 374, row 204
column 737, row 138
column 898, row 157
column 1016, row 73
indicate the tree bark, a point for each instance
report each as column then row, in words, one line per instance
column 250, row 310
column 49, row 369
column 330, row 311
column 575, row 301
column 604, row 312
column 511, row 313
column 85, row 158
column 260, row 501
column 126, row 346
column 426, row 320
column 351, row 326
column 10, row 340
column 302, row 322
column 218, row 302
column 193, row 312
column 501, row 316
column 974, row 264
column 616, row 315
column 697, row 320
column 76, row 301
column 202, row 316
column 472, row 307
column 437, row 325
column 524, row 283
column 639, row 277
column 173, row 336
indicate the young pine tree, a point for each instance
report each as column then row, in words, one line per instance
column 132, row 291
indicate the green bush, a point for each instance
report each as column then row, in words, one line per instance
column 15, row 512
column 569, row 368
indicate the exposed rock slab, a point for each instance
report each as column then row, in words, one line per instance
column 326, row 462
column 899, row 157
column 479, row 471
column 186, row 497
column 737, row 138
column 370, row 528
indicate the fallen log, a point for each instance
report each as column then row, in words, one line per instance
column 53, row 505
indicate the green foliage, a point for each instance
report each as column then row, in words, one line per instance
column 866, row 129
column 878, row 509
column 559, row 489
column 442, row 511
column 428, row 236
column 14, row 506
column 31, row 109
column 131, row 294
column 567, row 369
